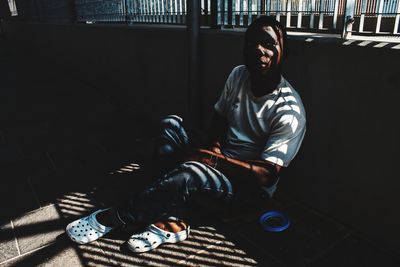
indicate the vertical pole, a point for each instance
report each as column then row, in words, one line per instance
column 230, row 13
column 179, row 12
column 222, row 12
column 140, row 11
column 184, row 10
column 321, row 15
column 312, row 14
column 126, row 11
column 288, row 12
column 362, row 17
column 259, row 7
column 214, row 13
column 300, row 14
column 145, row 10
column 163, row 15
column 278, row 11
column 234, row 12
column 396, row 22
column 379, row 20
column 335, row 14
column 205, row 13
column 163, row 11
column 158, row 11
column 262, row 9
column 173, row 11
column 151, row 11
column 249, row 12
column 241, row 13
column 348, row 19
column 193, row 28
column 133, row 11
column 268, row 6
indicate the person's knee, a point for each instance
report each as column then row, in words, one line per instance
column 177, row 181
column 171, row 121
column 173, row 132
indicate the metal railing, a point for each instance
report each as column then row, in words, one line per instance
column 13, row 8
column 375, row 17
column 298, row 14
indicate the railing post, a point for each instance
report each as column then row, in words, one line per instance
column 221, row 9
column 193, row 28
column 259, row 8
column 230, row 11
column 379, row 19
column 300, row 14
column 348, row 19
column 335, row 14
column 396, row 22
column 126, row 11
column 268, row 7
column 362, row 17
column 262, row 9
column 214, row 14
column 278, row 11
column 241, row 9
column 249, row 11
column 288, row 12
column 312, row 14
column 321, row 15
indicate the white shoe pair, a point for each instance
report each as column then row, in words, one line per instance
column 88, row 229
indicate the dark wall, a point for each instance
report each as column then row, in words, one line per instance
column 144, row 70
column 346, row 166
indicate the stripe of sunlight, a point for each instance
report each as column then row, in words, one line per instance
column 72, row 202
column 199, row 257
column 73, row 198
column 235, row 254
column 170, row 250
column 93, row 255
column 121, row 259
column 379, row 45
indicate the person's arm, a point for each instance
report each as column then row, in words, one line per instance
column 257, row 172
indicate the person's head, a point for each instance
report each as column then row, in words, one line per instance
column 264, row 46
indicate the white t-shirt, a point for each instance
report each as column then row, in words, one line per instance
column 269, row 127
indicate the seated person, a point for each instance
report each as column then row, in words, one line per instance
column 256, row 130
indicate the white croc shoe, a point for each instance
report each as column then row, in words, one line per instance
column 87, row 229
column 153, row 237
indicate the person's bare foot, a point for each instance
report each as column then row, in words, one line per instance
column 171, row 226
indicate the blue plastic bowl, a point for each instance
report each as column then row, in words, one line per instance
column 274, row 215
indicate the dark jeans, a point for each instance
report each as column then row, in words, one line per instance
column 181, row 182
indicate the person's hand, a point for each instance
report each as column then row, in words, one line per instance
column 205, row 156
column 216, row 148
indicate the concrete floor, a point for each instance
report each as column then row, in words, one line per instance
column 63, row 154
